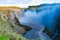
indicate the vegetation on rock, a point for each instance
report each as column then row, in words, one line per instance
column 6, row 29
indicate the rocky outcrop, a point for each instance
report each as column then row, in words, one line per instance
column 10, row 15
column 8, row 28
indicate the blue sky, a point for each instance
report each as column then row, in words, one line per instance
column 25, row 3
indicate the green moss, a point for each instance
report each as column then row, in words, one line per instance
column 2, row 37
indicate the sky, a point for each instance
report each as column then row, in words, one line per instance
column 25, row 3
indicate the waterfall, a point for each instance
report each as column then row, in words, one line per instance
column 44, row 17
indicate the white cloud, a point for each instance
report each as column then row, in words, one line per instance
column 25, row 3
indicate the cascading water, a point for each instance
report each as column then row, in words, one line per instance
column 39, row 20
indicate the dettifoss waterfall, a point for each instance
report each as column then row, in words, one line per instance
column 40, row 22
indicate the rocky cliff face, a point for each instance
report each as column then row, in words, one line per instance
column 9, row 25
column 11, row 17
